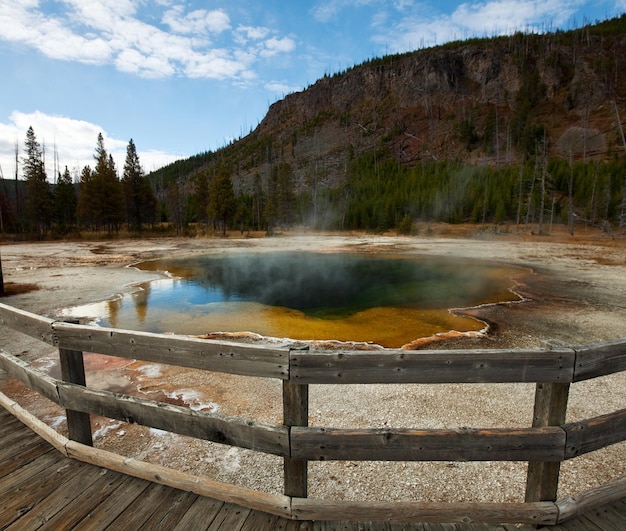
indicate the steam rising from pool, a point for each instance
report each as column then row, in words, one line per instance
column 388, row 300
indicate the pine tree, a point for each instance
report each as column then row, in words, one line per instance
column 86, row 208
column 281, row 197
column 139, row 198
column 258, row 201
column 39, row 198
column 65, row 202
column 201, row 197
column 222, row 203
column 109, row 199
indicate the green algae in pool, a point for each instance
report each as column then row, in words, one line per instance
column 388, row 300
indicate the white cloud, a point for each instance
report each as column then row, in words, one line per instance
column 213, row 64
column 95, row 32
column 255, row 33
column 280, row 89
column 328, row 9
column 275, row 46
column 476, row 19
column 199, row 21
column 74, row 141
column 505, row 16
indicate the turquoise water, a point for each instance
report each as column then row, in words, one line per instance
column 350, row 297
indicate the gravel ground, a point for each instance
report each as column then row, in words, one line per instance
column 573, row 291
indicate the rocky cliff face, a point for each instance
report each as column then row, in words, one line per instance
column 485, row 101
column 477, row 101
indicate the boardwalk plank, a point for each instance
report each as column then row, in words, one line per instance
column 106, row 512
column 171, row 510
column 9, row 425
column 41, row 486
column 331, row 525
column 22, row 454
column 620, row 505
column 60, row 498
column 579, row 524
column 607, row 517
column 20, row 501
column 32, row 469
column 258, row 521
column 15, row 436
column 154, row 497
column 293, row 525
column 90, row 496
column 200, row 514
column 230, row 517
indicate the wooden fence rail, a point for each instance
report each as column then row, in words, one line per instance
column 544, row 445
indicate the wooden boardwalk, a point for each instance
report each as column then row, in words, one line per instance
column 40, row 488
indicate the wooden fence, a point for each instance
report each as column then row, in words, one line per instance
column 544, row 445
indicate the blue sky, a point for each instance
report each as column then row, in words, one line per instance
column 182, row 77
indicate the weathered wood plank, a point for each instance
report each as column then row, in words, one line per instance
column 571, row 507
column 27, row 323
column 28, row 471
column 463, row 444
column 67, row 498
column 73, row 371
column 176, row 419
column 269, row 503
column 257, row 521
column 22, row 371
column 600, row 359
column 36, row 425
column 583, row 524
column 200, row 515
column 13, row 437
column 295, row 413
column 229, row 517
column 184, row 351
column 401, row 366
column 23, row 455
column 23, row 496
column 9, row 425
column 592, row 434
column 549, row 410
column 105, row 513
column 607, row 517
column 295, row 525
column 345, row 525
column 170, row 511
column 155, row 497
column 541, row 513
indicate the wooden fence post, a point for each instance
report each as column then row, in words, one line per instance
column 550, row 409
column 295, row 413
column 73, row 371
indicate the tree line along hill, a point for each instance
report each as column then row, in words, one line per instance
column 521, row 130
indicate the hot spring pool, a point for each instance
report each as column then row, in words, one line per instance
column 387, row 300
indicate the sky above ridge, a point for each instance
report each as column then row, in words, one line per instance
column 184, row 77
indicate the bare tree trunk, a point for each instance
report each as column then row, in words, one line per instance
column 543, row 186
column 621, row 131
column 519, row 198
column 1, row 277
column 570, row 216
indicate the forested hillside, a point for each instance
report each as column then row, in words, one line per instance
column 522, row 130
